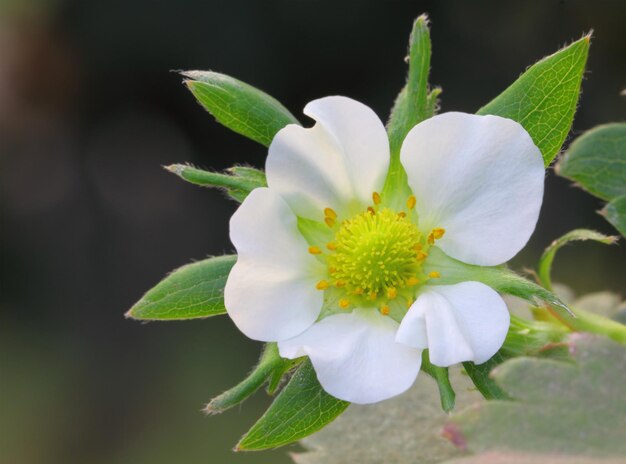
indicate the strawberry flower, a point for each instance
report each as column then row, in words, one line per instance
column 334, row 265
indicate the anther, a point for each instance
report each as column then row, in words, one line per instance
column 376, row 198
column 358, row 291
column 402, row 214
column 418, row 247
column 392, row 293
column 384, row 310
column 330, row 213
column 315, row 250
column 410, row 203
column 340, row 283
column 438, row 232
column 330, row 222
column 331, row 246
column 371, row 210
column 411, row 281
column 421, row 256
column 434, row 275
column 373, row 296
column 322, row 285
column 344, row 303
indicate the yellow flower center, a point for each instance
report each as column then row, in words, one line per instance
column 375, row 253
column 375, row 258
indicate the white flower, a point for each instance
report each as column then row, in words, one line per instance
column 332, row 268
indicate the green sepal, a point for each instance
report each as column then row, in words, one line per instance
column 192, row 291
column 269, row 364
column 300, row 409
column 238, row 184
column 499, row 278
column 543, row 99
column 595, row 161
column 480, row 375
column 615, row 213
column 242, row 108
column 440, row 374
column 413, row 104
column 545, row 262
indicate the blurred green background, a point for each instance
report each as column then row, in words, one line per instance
column 89, row 111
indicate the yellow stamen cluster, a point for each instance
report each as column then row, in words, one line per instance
column 376, row 257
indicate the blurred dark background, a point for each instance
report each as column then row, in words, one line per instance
column 89, row 111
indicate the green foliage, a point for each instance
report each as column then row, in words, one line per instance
column 615, row 213
column 238, row 184
column 440, row 374
column 193, row 291
column 560, row 408
column 242, row 108
column 480, row 375
column 545, row 263
column 405, row 429
column 543, row 100
column 270, row 363
column 300, row 409
column 597, row 161
column 413, row 104
column 499, row 278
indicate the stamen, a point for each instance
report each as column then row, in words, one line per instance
column 373, row 296
column 322, row 285
column 331, row 246
column 410, row 203
column 418, row 247
column 340, row 283
column 330, row 213
column 358, row 291
column 344, row 303
column 402, row 214
column 392, row 293
column 434, row 275
column 412, row 281
column 371, row 210
column 438, row 232
column 315, row 250
column 421, row 256
column 330, row 222
column 376, row 198
column 384, row 310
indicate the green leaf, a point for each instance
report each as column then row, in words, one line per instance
column 413, row 104
column 300, row 409
column 238, row 184
column 597, row 161
column 545, row 262
column 560, row 408
column 192, row 291
column 405, row 429
column 499, row 278
column 440, row 374
column 615, row 213
column 269, row 363
column 240, row 107
column 543, row 100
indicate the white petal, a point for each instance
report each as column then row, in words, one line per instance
column 480, row 178
column 356, row 357
column 270, row 292
column 463, row 322
column 337, row 163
